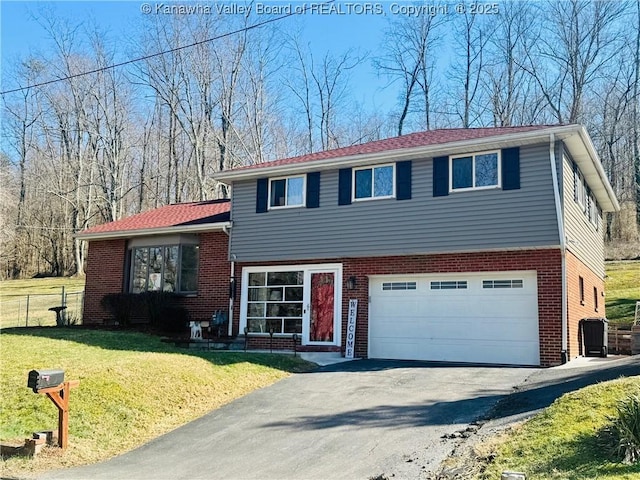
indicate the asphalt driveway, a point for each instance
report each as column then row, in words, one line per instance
column 355, row 420
column 351, row 420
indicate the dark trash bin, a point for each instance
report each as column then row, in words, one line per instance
column 594, row 334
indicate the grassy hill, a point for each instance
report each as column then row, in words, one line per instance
column 622, row 287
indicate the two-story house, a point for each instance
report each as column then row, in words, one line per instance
column 462, row 245
column 459, row 245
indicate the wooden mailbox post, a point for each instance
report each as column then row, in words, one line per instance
column 59, row 395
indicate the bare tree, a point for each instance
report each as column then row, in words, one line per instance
column 229, row 67
column 472, row 38
column 109, row 122
column 635, row 117
column 21, row 114
column 513, row 94
column 575, row 43
column 409, row 58
column 9, row 256
column 320, row 90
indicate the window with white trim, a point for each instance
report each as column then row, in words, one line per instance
column 449, row 285
column 502, row 284
column 374, row 182
column 593, row 211
column 475, row 171
column 580, row 189
column 167, row 268
column 286, row 192
column 274, row 302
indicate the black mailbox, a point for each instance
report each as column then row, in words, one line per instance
column 39, row 379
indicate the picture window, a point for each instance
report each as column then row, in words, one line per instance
column 169, row 268
column 275, row 302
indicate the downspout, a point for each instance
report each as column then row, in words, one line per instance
column 563, row 245
column 232, row 283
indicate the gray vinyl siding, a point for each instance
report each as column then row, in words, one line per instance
column 583, row 239
column 463, row 221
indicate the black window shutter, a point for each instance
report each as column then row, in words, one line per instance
column 403, row 180
column 511, row 168
column 313, row 190
column 262, row 195
column 344, row 186
column 441, row 176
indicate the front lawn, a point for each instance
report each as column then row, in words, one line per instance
column 622, row 287
column 570, row 440
column 133, row 388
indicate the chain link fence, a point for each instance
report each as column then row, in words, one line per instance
column 34, row 310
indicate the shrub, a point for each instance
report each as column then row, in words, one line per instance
column 174, row 319
column 156, row 304
column 626, row 427
column 157, row 309
column 121, row 306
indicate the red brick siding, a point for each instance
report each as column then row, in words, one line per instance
column 547, row 264
column 575, row 309
column 285, row 343
column 106, row 274
column 213, row 277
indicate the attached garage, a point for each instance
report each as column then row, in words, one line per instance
column 472, row 317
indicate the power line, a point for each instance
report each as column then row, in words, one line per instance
column 153, row 55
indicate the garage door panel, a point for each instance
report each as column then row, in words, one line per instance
column 390, row 329
column 472, row 324
column 399, row 348
column 451, row 350
column 391, row 307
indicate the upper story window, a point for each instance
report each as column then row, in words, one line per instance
column 167, row 268
column 477, row 171
column 593, row 212
column 286, row 192
column 584, row 197
column 374, row 182
column 579, row 188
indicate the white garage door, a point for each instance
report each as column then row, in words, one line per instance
column 476, row 317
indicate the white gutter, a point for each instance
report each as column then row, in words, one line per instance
column 205, row 227
column 232, row 284
column 563, row 245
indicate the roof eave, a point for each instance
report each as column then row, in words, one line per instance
column 459, row 146
column 585, row 155
column 206, row 227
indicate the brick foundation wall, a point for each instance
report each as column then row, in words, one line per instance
column 577, row 309
column 106, row 273
column 547, row 264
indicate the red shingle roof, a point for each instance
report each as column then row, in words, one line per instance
column 419, row 139
column 179, row 214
